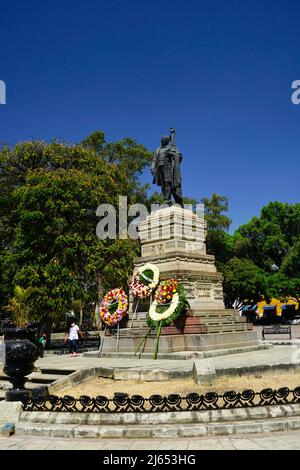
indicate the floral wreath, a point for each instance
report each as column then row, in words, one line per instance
column 144, row 280
column 113, row 307
column 169, row 303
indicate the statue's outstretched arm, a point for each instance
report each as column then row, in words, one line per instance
column 172, row 136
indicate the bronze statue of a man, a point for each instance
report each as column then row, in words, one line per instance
column 166, row 169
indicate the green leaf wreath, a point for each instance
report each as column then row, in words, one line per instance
column 169, row 303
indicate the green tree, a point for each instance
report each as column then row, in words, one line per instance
column 268, row 239
column 19, row 306
column 131, row 158
column 213, row 210
column 48, row 225
column 291, row 263
column 218, row 241
column 95, row 141
column 271, row 240
column 243, row 280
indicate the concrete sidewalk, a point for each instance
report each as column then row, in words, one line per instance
column 275, row 441
column 274, row 357
column 74, row 363
column 277, row 356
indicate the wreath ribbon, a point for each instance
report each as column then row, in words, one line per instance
column 145, row 277
column 110, row 303
column 143, row 290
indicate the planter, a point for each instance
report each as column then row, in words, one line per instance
column 21, row 353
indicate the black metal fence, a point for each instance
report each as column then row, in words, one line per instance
column 121, row 403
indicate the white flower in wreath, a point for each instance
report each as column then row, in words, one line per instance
column 154, row 269
column 155, row 316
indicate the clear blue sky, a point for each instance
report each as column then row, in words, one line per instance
column 220, row 72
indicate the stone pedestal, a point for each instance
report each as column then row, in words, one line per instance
column 174, row 239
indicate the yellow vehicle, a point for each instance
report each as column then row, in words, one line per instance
column 282, row 307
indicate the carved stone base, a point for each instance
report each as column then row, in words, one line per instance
column 203, row 284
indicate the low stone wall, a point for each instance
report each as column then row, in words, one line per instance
column 142, row 375
column 76, row 378
column 161, row 425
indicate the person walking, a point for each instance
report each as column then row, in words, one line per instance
column 72, row 336
column 42, row 343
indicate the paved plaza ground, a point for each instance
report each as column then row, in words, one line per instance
column 282, row 354
column 277, row 355
column 274, row 441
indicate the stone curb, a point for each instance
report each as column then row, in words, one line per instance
column 263, row 368
column 73, row 379
column 161, row 431
column 163, row 418
column 10, row 412
column 204, row 371
column 139, row 374
column 185, row 354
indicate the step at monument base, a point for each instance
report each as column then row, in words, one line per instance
column 181, row 342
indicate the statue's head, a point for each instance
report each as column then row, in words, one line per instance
column 165, row 140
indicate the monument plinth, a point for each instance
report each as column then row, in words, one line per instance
column 173, row 238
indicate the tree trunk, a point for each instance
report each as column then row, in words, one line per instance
column 48, row 328
column 100, row 296
column 81, row 315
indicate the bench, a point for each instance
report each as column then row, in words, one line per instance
column 90, row 341
column 277, row 330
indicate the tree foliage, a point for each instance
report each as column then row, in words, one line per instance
column 262, row 257
column 214, row 209
column 272, row 243
column 218, row 242
column 242, row 280
column 48, row 201
column 19, row 306
column 130, row 157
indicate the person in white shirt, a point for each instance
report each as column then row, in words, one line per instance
column 72, row 337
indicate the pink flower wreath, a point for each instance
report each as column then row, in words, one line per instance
column 113, row 307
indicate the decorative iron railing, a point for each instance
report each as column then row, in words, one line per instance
column 157, row 403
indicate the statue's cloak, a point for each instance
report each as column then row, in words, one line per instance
column 171, row 167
